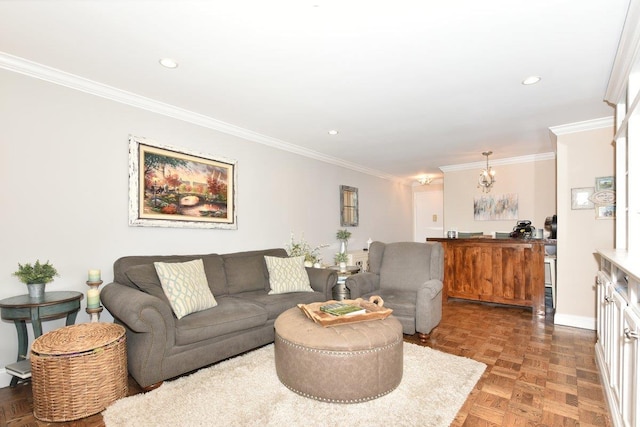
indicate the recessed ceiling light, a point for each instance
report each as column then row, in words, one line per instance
column 531, row 80
column 333, row 132
column 168, row 63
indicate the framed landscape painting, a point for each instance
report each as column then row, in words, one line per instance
column 170, row 187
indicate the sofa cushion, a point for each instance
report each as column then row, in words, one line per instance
column 247, row 271
column 146, row 278
column 229, row 316
column 185, row 285
column 287, row 275
column 403, row 303
column 277, row 304
column 132, row 270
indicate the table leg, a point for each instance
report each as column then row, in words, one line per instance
column 23, row 339
column 35, row 322
column 71, row 318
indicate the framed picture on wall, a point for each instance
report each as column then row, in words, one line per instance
column 171, row 187
column 605, row 183
column 606, row 212
column 495, row 207
column 581, row 198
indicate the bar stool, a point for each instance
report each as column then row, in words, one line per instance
column 550, row 262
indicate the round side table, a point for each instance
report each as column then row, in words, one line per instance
column 22, row 308
column 340, row 291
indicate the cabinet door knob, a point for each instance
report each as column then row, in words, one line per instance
column 629, row 334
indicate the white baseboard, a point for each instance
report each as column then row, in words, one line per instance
column 575, row 321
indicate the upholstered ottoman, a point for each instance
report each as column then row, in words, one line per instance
column 349, row 363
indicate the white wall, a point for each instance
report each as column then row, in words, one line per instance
column 64, row 170
column 582, row 156
column 533, row 181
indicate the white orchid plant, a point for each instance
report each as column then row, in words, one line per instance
column 300, row 247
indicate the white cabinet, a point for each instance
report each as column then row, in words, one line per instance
column 618, row 328
column 629, row 363
column 618, row 305
column 359, row 259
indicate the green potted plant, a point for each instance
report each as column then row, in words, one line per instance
column 341, row 260
column 36, row 276
column 343, row 235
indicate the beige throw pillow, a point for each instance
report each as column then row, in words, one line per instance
column 186, row 287
column 287, row 275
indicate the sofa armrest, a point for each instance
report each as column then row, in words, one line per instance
column 430, row 289
column 150, row 326
column 137, row 310
column 362, row 283
column 323, row 280
column 429, row 306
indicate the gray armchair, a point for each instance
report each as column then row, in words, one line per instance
column 408, row 276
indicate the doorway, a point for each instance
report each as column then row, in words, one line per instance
column 428, row 211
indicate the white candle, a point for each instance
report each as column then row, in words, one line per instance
column 93, row 298
column 94, row 275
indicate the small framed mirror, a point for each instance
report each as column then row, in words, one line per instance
column 348, row 206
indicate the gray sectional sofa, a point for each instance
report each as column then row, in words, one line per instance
column 160, row 346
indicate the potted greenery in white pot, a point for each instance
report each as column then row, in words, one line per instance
column 341, row 260
column 36, row 276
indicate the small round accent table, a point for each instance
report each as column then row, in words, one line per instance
column 340, row 291
column 22, row 308
column 348, row 363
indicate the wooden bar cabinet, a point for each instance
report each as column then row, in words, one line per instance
column 504, row 271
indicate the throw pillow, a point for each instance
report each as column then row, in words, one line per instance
column 185, row 285
column 287, row 275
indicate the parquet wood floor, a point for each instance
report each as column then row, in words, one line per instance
column 537, row 374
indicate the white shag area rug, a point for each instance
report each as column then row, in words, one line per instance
column 245, row 391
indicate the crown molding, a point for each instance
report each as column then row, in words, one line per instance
column 72, row 81
column 603, row 122
column 498, row 162
column 627, row 55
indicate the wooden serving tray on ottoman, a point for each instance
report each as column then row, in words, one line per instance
column 374, row 310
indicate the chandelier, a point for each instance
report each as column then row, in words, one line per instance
column 425, row 180
column 487, row 176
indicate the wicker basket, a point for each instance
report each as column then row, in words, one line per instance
column 78, row 370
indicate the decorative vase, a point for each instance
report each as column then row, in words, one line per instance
column 343, row 246
column 343, row 266
column 36, row 290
